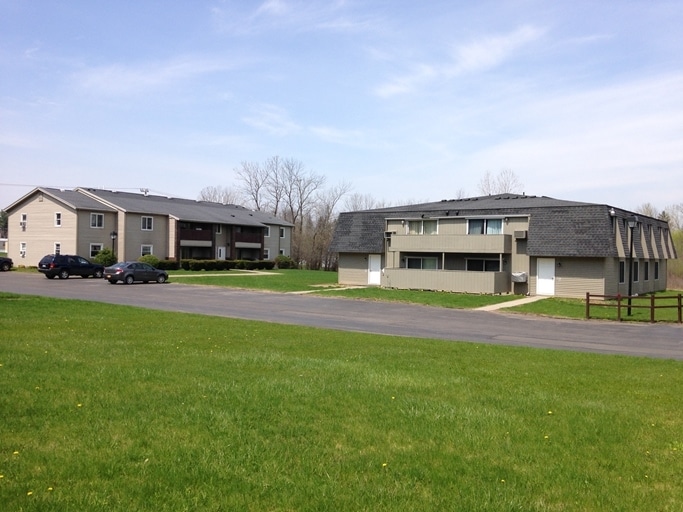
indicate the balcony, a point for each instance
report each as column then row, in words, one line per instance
column 471, row 244
column 196, row 237
column 458, row 281
column 248, row 240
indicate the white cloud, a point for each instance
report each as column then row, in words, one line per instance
column 120, row 79
column 272, row 119
column 475, row 56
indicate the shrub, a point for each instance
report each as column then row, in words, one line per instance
column 150, row 259
column 168, row 264
column 105, row 257
column 284, row 262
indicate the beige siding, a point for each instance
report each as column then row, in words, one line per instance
column 353, row 269
column 40, row 234
column 136, row 237
column 446, row 280
column 88, row 235
column 574, row 277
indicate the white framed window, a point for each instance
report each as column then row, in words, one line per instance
column 22, row 249
column 646, row 271
column 656, row 270
column 282, row 232
column 622, row 272
column 94, row 249
column 484, row 226
column 146, row 249
column 147, row 223
column 58, row 248
column 97, row 220
column 219, row 229
column 58, row 219
column 266, row 254
column 423, row 227
column 266, row 232
column 282, row 252
column 636, row 268
column 23, row 221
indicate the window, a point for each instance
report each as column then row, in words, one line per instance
column 23, row 221
column 58, row 219
column 266, row 254
column 646, row 271
column 427, row 263
column 146, row 249
column 267, row 231
column 219, row 229
column 147, row 223
column 94, row 249
column 622, row 272
column 485, row 226
column 58, row 248
column 97, row 220
column 656, row 270
column 483, row 265
column 423, row 227
column 22, row 249
column 282, row 232
column 635, row 271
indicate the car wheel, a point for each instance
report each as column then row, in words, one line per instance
column 98, row 274
column 64, row 274
column 129, row 279
column 161, row 279
column 5, row 267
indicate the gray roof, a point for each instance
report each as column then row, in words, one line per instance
column 185, row 209
column 556, row 227
column 70, row 198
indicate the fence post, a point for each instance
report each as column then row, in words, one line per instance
column 588, row 305
column 680, row 320
column 652, row 308
column 619, row 307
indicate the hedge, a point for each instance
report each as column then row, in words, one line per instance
column 210, row 265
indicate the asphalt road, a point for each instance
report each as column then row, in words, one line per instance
column 648, row 340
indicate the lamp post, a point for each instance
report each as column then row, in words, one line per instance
column 113, row 236
column 632, row 223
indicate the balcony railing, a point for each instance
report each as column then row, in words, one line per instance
column 447, row 280
column 204, row 235
column 495, row 244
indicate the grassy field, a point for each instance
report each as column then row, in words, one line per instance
column 115, row 408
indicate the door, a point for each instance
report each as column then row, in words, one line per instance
column 545, row 280
column 221, row 253
column 374, row 268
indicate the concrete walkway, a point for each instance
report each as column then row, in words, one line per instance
column 512, row 303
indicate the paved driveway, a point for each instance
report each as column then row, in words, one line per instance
column 658, row 340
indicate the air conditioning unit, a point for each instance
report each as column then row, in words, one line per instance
column 520, row 235
column 387, row 234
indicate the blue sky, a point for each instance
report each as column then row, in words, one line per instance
column 404, row 100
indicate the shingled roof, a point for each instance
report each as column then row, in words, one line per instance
column 556, row 227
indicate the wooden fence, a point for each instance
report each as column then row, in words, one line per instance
column 629, row 302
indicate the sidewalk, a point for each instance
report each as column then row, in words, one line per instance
column 512, row 303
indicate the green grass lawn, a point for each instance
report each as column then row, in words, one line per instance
column 576, row 308
column 112, row 408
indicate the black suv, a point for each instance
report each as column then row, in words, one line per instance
column 65, row 265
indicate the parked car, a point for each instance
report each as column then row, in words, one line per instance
column 5, row 263
column 131, row 271
column 65, row 265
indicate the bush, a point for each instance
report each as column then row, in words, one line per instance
column 285, row 262
column 168, row 265
column 150, row 259
column 105, row 257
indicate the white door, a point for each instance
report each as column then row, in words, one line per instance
column 221, row 253
column 374, row 268
column 545, row 281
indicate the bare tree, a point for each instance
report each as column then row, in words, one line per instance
column 254, row 179
column 506, row 181
column 356, row 202
column 218, row 194
column 648, row 209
